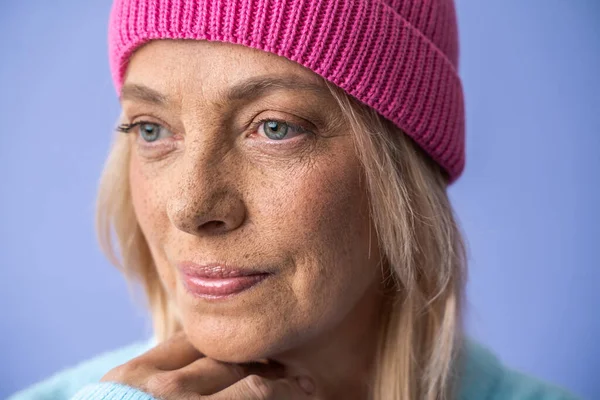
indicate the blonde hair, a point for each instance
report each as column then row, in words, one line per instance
column 421, row 332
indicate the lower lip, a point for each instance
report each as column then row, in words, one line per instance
column 220, row 288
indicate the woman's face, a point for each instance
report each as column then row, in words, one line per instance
column 219, row 194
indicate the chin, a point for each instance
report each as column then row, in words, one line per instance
column 245, row 327
column 241, row 339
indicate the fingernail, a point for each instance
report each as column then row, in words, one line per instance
column 306, row 384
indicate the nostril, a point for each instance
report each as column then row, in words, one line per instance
column 213, row 226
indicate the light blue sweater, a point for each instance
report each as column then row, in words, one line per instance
column 484, row 378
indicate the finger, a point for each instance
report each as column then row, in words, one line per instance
column 208, row 376
column 172, row 354
column 255, row 387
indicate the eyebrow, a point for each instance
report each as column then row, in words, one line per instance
column 134, row 91
column 263, row 85
column 255, row 87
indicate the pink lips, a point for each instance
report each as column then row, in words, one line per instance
column 216, row 281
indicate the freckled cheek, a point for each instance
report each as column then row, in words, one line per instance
column 148, row 199
column 324, row 201
column 317, row 215
column 148, row 203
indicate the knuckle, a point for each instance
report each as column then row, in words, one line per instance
column 116, row 374
column 133, row 366
column 124, row 372
column 259, row 388
column 166, row 383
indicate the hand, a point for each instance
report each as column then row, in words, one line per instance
column 176, row 370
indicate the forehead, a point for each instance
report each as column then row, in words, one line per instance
column 175, row 65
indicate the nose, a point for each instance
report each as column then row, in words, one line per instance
column 202, row 201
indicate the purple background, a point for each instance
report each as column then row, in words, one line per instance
column 528, row 200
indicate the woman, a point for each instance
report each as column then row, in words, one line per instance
column 278, row 189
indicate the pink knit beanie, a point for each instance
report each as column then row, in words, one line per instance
column 399, row 57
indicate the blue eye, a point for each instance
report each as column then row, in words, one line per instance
column 278, row 130
column 151, row 132
column 148, row 131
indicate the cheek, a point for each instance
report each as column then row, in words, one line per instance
column 149, row 208
column 318, row 213
column 146, row 199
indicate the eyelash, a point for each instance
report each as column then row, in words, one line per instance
column 298, row 128
column 126, row 128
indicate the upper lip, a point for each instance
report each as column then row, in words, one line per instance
column 216, row 270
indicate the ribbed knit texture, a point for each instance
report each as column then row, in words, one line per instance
column 399, row 57
column 110, row 391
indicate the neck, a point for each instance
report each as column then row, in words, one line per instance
column 340, row 360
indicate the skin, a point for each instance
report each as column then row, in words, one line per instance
column 214, row 187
